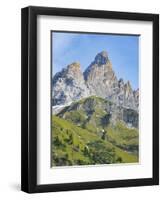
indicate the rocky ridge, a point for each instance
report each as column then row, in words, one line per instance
column 69, row 85
column 98, row 79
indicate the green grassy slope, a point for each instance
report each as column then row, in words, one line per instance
column 123, row 137
column 91, row 114
column 73, row 144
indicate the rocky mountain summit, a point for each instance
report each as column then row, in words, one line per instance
column 99, row 79
column 69, row 85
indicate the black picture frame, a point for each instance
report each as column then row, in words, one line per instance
column 29, row 99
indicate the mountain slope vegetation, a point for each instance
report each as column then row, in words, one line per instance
column 86, row 133
column 73, row 145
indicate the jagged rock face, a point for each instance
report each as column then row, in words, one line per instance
column 69, row 85
column 129, row 96
column 124, row 95
column 99, row 110
column 131, row 117
column 98, row 79
column 136, row 97
column 102, row 81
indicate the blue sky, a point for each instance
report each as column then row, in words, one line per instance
column 81, row 47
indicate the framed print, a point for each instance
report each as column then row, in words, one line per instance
column 90, row 99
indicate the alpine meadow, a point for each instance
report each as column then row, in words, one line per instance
column 95, row 106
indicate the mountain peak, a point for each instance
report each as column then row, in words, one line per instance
column 99, row 79
column 75, row 66
column 74, row 70
column 102, row 58
column 100, row 66
column 69, row 85
column 128, row 85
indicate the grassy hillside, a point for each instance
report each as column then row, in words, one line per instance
column 74, row 143
column 94, row 115
column 123, row 137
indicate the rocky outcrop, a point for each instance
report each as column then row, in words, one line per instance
column 99, row 112
column 99, row 79
column 69, row 85
column 136, row 97
column 102, row 81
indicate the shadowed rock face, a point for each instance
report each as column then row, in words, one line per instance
column 102, row 58
column 136, row 97
column 98, row 79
